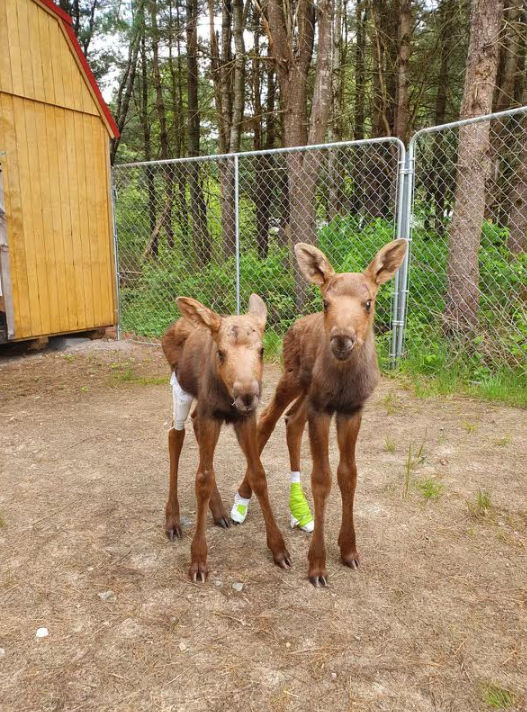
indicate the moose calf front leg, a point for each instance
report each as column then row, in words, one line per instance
column 217, row 509
column 246, row 433
column 172, row 522
column 320, row 487
column 347, row 432
column 209, row 431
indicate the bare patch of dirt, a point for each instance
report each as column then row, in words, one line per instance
column 435, row 619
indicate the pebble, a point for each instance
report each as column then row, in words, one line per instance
column 218, row 583
column 182, row 646
column 2, row 652
column 107, row 596
column 237, row 586
column 42, row 633
column 333, row 675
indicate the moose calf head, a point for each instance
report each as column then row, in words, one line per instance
column 349, row 298
column 237, row 348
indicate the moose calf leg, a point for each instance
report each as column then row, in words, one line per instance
column 172, row 521
column 284, row 394
column 209, row 431
column 320, row 487
column 246, row 433
column 217, row 509
column 347, row 432
column 295, row 419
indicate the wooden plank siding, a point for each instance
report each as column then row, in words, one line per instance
column 55, row 179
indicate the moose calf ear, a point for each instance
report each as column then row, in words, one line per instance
column 387, row 261
column 313, row 264
column 258, row 309
column 198, row 314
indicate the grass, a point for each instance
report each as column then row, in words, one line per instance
column 125, row 374
column 469, row 427
column 430, row 489
column 392, row 403
column 497, row 697
column 482, row 505
column 504, row 441
column 389, row 444
column 2, row 522
column 413, row 460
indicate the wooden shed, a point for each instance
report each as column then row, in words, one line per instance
column 57, row 261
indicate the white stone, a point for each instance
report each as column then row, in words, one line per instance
column 42, row 633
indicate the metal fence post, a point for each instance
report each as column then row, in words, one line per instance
column 237, row 229
column 113, row 190
column 406, row 233
column 401, row 232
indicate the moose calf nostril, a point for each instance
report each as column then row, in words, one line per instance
column 247, row 399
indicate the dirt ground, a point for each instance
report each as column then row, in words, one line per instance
column 435, row 619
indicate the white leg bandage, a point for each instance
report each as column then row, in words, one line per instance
column 182, row 402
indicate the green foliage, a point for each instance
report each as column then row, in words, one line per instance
column 497, row 697
column 485, row 365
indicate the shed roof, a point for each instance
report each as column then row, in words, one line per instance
column 67, row 22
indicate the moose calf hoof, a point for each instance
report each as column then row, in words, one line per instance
column 318, row 575
column 198, row 572
column 319, row 581
column 351, row 560
column 283, row 560
column 222, row 522
column 173, row 529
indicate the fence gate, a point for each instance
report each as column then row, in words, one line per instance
column 220, row 227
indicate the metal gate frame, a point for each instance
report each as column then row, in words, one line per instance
column 404, row 209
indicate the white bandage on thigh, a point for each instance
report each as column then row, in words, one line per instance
column 182, row 402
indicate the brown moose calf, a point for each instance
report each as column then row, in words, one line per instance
column 330, row 366
column 218, row 361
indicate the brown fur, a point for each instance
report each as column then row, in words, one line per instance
column 219, row 361
column 330, row 366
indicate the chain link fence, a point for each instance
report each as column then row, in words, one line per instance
column 220, row 227
column 467, row 284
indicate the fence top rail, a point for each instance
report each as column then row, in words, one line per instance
column 465, row 122
column 267, row 152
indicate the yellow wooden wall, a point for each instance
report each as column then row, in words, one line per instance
column 56, row 179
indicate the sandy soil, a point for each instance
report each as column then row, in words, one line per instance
column 435, row 619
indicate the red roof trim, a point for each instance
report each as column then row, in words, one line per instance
column 66, row 19
column 58, row 11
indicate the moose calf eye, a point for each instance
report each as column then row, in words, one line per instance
column 262, row 351
column 221, row 355
column 326, row 305
column 368, row 305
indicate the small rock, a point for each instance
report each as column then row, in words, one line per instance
column 218, row 583
column 288, row 644
column 182, row 646
column 42, row 633
column 2, row 652
column 237, row 586
column 107, row 596
column 443, row 461
column 333, row 675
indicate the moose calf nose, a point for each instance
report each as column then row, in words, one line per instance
column 342, row 345
column 246, row 395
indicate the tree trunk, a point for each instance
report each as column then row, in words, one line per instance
column 465, row 233
column 441, row 177
column 126, row 84
column 501, row 156
column 145, row 122
column 404, row 36
column 517, row 242
column 163, row 132
column 361, row 16
column 202, row 242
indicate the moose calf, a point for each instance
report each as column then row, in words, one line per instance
column 330, row 366
column 218, row 361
